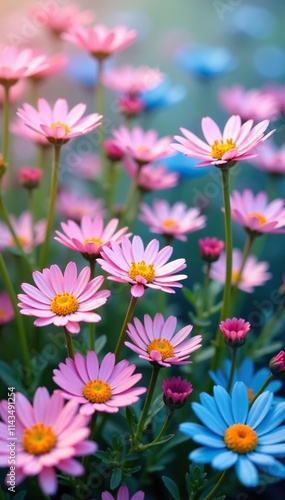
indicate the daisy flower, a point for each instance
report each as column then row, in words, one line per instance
column 6, row 308
column 271, row 159
column 211, row 248
column 16, row 63
column 19, row 128
column 234, row 435
column 57, row 123
column 155, row 340
column 123, row 494
column 23, row 227
column 254, row 273
column 150, row 177
column 175, row 221
column 132, row 81
column 73, row 206
column 252, row 104
column 15, row 93
column 236, row 142
column 102, row 387
column 54, row 65
column 49, row 434
column 175, row 392
column 89, row 237
column 234, row 331
column 142, row 267
column 63, row 299
column 255, row 214
column 63, row 18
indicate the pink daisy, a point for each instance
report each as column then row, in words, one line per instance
column 142, row 267
column 211, row 248
column 6, row 308
column 123, row 494
column 271, row 159
column 61, row 17
column 49, row 434
column 54, row 65
column 254, row 104
column 73, row 206
column 16, row 63
column 151, row 177
column 16, row 92
column 277, row 365
column 143, row 147
column 234, row 331
column 130, row 106
column 175, row 392
column 63, row 299
column 236, row 142
column 57, row 123
column 20, row 129
column 100, row 41
column 87, row 167
column 255, row 214
column 174, row 222
column 254, row 272
column 155, row 340
column 89, row 237
column 23, row 228
column 132, row 81
column 106, row 387
column 29, row 177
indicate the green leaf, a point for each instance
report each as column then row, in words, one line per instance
column 204, row 354
column 172, row 487
column 272, row 347
column 131, row 418
column 162, row 440
column 100, row 343
column 115, row 478
column 156, row 406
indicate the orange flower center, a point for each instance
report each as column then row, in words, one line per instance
column 38, row 439
column 143, row 149
column 63, row 304
column 169, row 223
column 235, row 275
column 250, row 394
column 261, row 219
column 22, row 239
column 66, row 128
column 240, row 438
column 1, row 313
column 161, row 345
column 97, row 391
column 220, row 148
column 142, row 269
column 97, row 241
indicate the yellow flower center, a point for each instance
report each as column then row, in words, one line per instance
column 38, row 439
column 161, row 345
column 240, row 438
column 1, row 313
column 66, row 128
column 24, row 241
column 97, row 241
column 169, row 223
column 63, row 304
column 250, row 394
column 97, row 391
column 143, row 149
column 220, row 148
column 142, row 269
column 235, row 275
column 261, row 219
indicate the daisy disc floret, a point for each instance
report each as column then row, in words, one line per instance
column 232, row 434
column 48, row 435
column 58, row 124
column 237, row 141
column 142, row 267
column 104, row 387
column 63, row 298
column 155, row 340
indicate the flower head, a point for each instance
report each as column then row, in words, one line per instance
column 19, row 128
column 254, row 104
column 49, row 434
column 16, row 91
column 73, row 206
column 112, row 150
column 155, row 340
column 54, row 64
column 62, row 17
column 277, row 365
column 211, row 248
column 132, row 81
column 123, row 494
column 175, row 392
column 28, row 236
column 29, row 177
column 102, row 387
column 236, row 142
column 63, row 299
column 234, row 435
column 142, row 267
column 175, row 221
column 255, row 214
column 151, row 177
column 130, row 106
column 57, row 123
column 6, row 308
column 90, row 236
column 234, row 331
column 271, row 159
column 205, row 61
column 254, row 273
column 16, row 63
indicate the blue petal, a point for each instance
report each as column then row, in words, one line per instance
column 202, row 435
column 259, row 378
column 259, row 409
column 223, row 402
column 246, row 372
column 261, row 459
column 224, row 460
column 246, row 471
column 204, row 455
column 219, row 378
column 239, row 402
column 273, row 437
column 212, row 420
column 208, row 402
column 276, row 469
column 272, row 449
column 274, row 417
column 190, row 429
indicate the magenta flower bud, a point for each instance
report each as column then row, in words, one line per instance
column 130, row 106
column 277, row 365
column 234, row 331
column 30, row 177
column 175, row 392
column 211, row 248
column 112, row 150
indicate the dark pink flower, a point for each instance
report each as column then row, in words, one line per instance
column 123, row 494
column 112, row 150
column 277, row 365
column 234, row 331
column 175, row 392
column 211, row 248
column 30, row 177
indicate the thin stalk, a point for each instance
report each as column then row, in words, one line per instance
column 217, row 487
column 205, row 288
column 53, row 192
column 160, row 434
column 128, row 318
column 245, row 254
column 6, row 119
column 130, row 197
column 92, row 326
column 233, row 366
column 263, row 387
column 269, row 326
column 31, row 210
column 69, row 345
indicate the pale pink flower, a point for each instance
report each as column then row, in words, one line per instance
column 278, row 92
column 57, row 123
column 102, row 387
column 54, row 65
column 271, row 159
column 150, row 177
column 29, row 177
column 6, row 308
column 16, row 63
column 255, row 214
column 211, row 248
column 142, row 267
column 74, row 206
column 20, row 129
column 254, row 104
column 63, row 299
column 132, row 81
column 254, row 273
column 60, row 18
column 123, row 494
column 48, row 435
column 23, row 227
column 100, row 41
column 236, row 142
column 155, row 340
column 87, row 167
column 89, row 237
column 234, row 331
column 143, row 147
column 16, row 91
column 175, row 392
column 277, row 365
column 174, row 222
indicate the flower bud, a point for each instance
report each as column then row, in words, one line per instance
column 30, row 177
column 211, row 248
column 277, row 365
column 234, row 331
column 175, row 392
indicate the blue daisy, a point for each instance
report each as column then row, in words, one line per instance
column 233, row 434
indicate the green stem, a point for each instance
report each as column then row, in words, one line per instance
column 31, row 210
column 128, row 318
column 245, row 254
column 18, row 319
column 162, row 431
column 263, row 336
column 69, row 346
column 233, row 366
column 217, row 487
column 53, row 192
column 205, row 288
column 92, row 326
column 264, row 385
column 6, row 114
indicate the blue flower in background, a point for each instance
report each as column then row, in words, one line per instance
column 245, row 374
column 184, row 165
column 234, row 435
column 82, row 70
column 254, row 21
column 163, row 96
column 206, row 62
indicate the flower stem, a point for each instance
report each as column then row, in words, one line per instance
column 31, row 210
column 160, row 434
column 92, row 326
column 6, row 114
column 128, row 318
column 205, row 288
column 245, row 254
column 263, row 387
column 53, row 192
column 233, row 365
column 263, row 336
column 217, row 487
column 69, row 346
